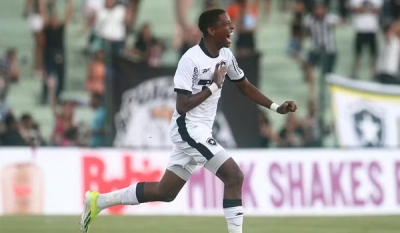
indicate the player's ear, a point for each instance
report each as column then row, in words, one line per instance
column 211, row 31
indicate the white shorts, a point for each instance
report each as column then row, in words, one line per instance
column 36, row 22
column 196, row 149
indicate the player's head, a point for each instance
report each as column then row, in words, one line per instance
column 319, row 10
column 109, row 3
column 53, row 18
column 217, row 25
column 11, row 54
column 26, row 120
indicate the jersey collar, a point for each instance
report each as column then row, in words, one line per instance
column 203, row 47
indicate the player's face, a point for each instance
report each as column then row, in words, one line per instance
column 110, row 3
column 320, row 11
column 223, row 31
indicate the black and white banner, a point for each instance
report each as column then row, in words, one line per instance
column 143, row 102
column 366, row 114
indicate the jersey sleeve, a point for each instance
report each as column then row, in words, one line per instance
column 333, row 19
column 234, row 73
column 307, row 22
column 185, row 75
column 355, row 3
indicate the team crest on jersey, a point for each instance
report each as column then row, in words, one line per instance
column 223, row 63
column 212, row 141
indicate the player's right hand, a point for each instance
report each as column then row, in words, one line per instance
column 219, row 74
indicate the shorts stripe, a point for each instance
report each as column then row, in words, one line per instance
column 204, row 151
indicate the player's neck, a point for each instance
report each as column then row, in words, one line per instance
column 209, row 48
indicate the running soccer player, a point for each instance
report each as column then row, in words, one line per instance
column 198, row 81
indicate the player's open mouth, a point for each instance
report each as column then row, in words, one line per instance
column 229, row 37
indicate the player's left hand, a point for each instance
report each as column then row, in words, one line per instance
column 288, row 106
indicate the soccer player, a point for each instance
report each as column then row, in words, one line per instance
column 198, row 81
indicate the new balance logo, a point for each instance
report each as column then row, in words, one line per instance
column 205, row 70
column 238, row 214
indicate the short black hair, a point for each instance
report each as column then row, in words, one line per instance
column 208, row 19
column 11, row 51
column 26, row 117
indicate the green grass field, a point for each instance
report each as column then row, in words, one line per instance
column 135, row 224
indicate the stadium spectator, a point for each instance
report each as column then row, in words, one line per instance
column 63, row 122
column 110, row 25
column 267, row 6
column 341, row 5
column 321, row 27
column 11, row 136
column 90, row 9
column 26, row 126
column 55, row 54
column 389, row 59
column 210, row 4
column 30, row 131
column 312, row 137
column 187, row 35
column 184, row 40
column 70, row 138
column 97, row 131
column 297, row 33
column 366, row 25
column 244, row 15
column 35, row 11
column 95, row 82
column 182, row 8
column 63, row 115
column 37, row 137
column 266, row 131
column 155, row 55
column 145, row 43
column 293, row 133
column 9, row 71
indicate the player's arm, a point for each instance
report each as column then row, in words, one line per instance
column 236, row 75
column 252, row 92
column 185, row 100
column 69, row 11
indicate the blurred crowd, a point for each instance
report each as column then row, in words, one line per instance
column 109, row 25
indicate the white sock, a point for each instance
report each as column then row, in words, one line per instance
column 234, row 218
column 126, row 196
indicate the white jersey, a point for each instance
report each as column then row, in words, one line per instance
column 194, row 73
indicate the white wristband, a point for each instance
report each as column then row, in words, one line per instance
column 274, row 107
column 213, row 88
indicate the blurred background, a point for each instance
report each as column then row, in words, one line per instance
column 68, row 69
column 86, row 98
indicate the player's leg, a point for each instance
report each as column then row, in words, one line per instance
column 358, row 44
column 373, row 49
column 227, row 170
column 165, row 190
column 179, row 170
